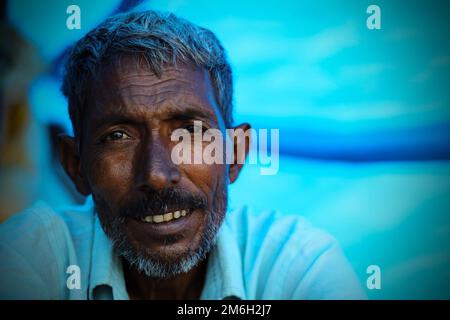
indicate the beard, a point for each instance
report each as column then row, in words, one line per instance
column 163, row 264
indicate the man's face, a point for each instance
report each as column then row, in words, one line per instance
column 126, row 164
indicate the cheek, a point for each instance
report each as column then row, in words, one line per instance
column 207, row 178
column 110, row 174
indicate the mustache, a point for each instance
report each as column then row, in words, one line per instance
column 160, row 202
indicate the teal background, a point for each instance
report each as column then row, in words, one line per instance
column 364, row 118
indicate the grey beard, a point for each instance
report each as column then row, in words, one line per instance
column 152, row 266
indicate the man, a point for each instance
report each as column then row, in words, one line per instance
column 153, row 229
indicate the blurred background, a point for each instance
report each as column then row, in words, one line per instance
column 364, row 119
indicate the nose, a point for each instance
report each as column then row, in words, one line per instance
column 157, row 171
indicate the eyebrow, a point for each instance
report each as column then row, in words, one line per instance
column 190, row 113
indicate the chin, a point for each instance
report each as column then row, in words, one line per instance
column 164, row 263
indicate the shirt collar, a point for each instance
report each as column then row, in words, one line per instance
column 224, row 278
column 106, row 274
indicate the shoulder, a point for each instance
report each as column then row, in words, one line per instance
column 284, row 256
column 43, row 226
column 276, row 229
column 36, row 246
column 35, row 225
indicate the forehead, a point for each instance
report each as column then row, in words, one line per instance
column 132, row 87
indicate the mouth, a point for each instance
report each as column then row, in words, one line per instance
column 166, row 217
column 159, row 226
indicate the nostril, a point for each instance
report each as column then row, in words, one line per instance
column 175, row 176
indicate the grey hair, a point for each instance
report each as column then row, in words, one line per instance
column 159, row 38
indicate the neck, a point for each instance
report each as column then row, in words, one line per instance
column 182, row 286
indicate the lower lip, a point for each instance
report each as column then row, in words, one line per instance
column 171, row 227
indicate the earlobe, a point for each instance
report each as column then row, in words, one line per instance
column 239, row 145
column 70, row 160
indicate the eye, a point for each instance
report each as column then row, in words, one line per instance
column 195, row 128
column 117, row 136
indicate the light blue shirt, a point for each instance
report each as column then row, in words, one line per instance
column 265, row 256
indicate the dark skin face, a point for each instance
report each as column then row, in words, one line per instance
column 125, row 155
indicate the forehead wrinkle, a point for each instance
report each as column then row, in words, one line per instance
column 162, row 105
column 131, row 65
column 157, row 98
column 153, row 94
column 139, row 70
column 164, row 83
column 143, row 105
column 126, row 76
column 139, row 92
column 143, row 114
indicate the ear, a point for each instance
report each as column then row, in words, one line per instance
column 70, row 160
column 239, row 144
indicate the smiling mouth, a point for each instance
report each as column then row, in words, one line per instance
column 166, row 217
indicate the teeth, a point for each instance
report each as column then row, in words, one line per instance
column 168, row 216
column 165, row 217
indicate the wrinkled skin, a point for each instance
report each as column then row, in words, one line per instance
column 124, row 161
